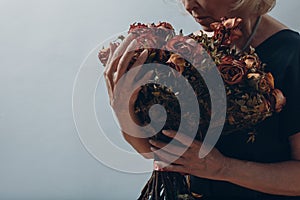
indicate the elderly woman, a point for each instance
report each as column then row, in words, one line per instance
column 269, row 168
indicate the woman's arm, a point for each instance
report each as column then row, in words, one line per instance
column 276, row 178
column 141, row 145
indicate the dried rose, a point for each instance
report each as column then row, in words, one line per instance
column 252, row 61
column 263, row 83
column 266, row 83
column 152, row 35
column 227, row 31
column 186, row 47
column 277, row 100
column 177, row 62
column 231, row 23
column 165, row 25
column 137, row 26
column 232, row 71
column 103, row 55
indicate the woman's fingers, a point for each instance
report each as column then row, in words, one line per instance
column 125, row 60
column 116, row 52
column 137, row 68
column 109, row 71
column 167, row 157
column 162, row 166
column 122, row 47
column 180, row 137
column 112, row 47
column 170, row 148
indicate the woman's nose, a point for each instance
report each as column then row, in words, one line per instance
column 189, row 5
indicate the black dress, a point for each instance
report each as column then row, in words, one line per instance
column 281, row 53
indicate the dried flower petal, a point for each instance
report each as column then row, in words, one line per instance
column 279, row 100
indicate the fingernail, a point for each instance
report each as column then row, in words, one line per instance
column 155, row 166
column 153, row 149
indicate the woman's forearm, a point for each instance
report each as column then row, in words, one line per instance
column 141, row 145
column 276, row 178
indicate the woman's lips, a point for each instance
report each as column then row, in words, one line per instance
column 201, row 19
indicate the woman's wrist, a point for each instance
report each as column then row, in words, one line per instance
column 229, row 169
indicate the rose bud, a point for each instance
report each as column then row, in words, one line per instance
column 278, row 100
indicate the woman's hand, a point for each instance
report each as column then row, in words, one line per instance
column 120, row 85
column 123, row 89
column 188, row 162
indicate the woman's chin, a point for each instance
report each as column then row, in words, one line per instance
column 207, row 28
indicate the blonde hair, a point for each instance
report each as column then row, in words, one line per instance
column 258, row 7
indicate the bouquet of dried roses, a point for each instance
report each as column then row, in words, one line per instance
column 250, row 92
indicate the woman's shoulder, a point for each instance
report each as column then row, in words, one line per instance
column 284, row 36
column 285, row 40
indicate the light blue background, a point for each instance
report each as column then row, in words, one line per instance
column 42, row 44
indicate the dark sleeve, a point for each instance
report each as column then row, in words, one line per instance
column 290, row 115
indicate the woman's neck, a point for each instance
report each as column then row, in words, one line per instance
column 267, row 27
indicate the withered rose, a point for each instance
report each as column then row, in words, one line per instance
column 227, row 31
column 152, row 35
column 256, row 104
column 264, row 105
column 186, row 47
column 231, row 23
column 261, row 82
column 165, row 25
column 138, row 26
column 278, row 100
column 266, row 83
column 177, row 62
column 103, row 55
column 164, row 31
column 232, row 71
column 252, row 61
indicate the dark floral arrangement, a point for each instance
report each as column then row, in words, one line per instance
column 250, row 91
